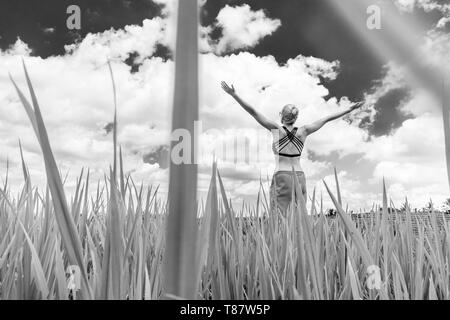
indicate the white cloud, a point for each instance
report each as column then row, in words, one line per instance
column 243, row 28
column 118, row 44
column 19, row 48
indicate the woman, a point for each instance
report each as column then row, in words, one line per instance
column 287, row 146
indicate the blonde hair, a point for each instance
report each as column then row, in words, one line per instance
column 289, row 114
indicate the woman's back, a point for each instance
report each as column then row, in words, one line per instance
column 288, row 146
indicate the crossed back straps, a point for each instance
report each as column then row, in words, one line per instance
column 289, row 145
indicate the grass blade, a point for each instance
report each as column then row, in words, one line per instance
column 181, row 232
column 64, row 219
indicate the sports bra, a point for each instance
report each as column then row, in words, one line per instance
column 289, row 145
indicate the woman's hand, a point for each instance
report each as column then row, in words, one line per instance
column 228, row 89
column 357, row 105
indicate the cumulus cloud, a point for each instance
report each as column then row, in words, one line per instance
column 19, row 48
column 243, row 28
column 118, row 44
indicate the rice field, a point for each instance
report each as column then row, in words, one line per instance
column 117, row 237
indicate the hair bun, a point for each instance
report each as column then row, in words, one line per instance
column 289, row 113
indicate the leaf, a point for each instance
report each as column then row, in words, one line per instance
column 36, row 267
column 353, row 281
column 180, row 266
column 67, row 228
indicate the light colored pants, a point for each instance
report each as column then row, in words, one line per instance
column 281, row 189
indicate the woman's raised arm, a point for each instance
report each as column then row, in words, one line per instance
column 260, row 118
column 313, row 127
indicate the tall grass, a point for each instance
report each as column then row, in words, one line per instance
column 241, row 255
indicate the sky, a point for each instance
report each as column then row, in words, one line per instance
column 274, row 52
